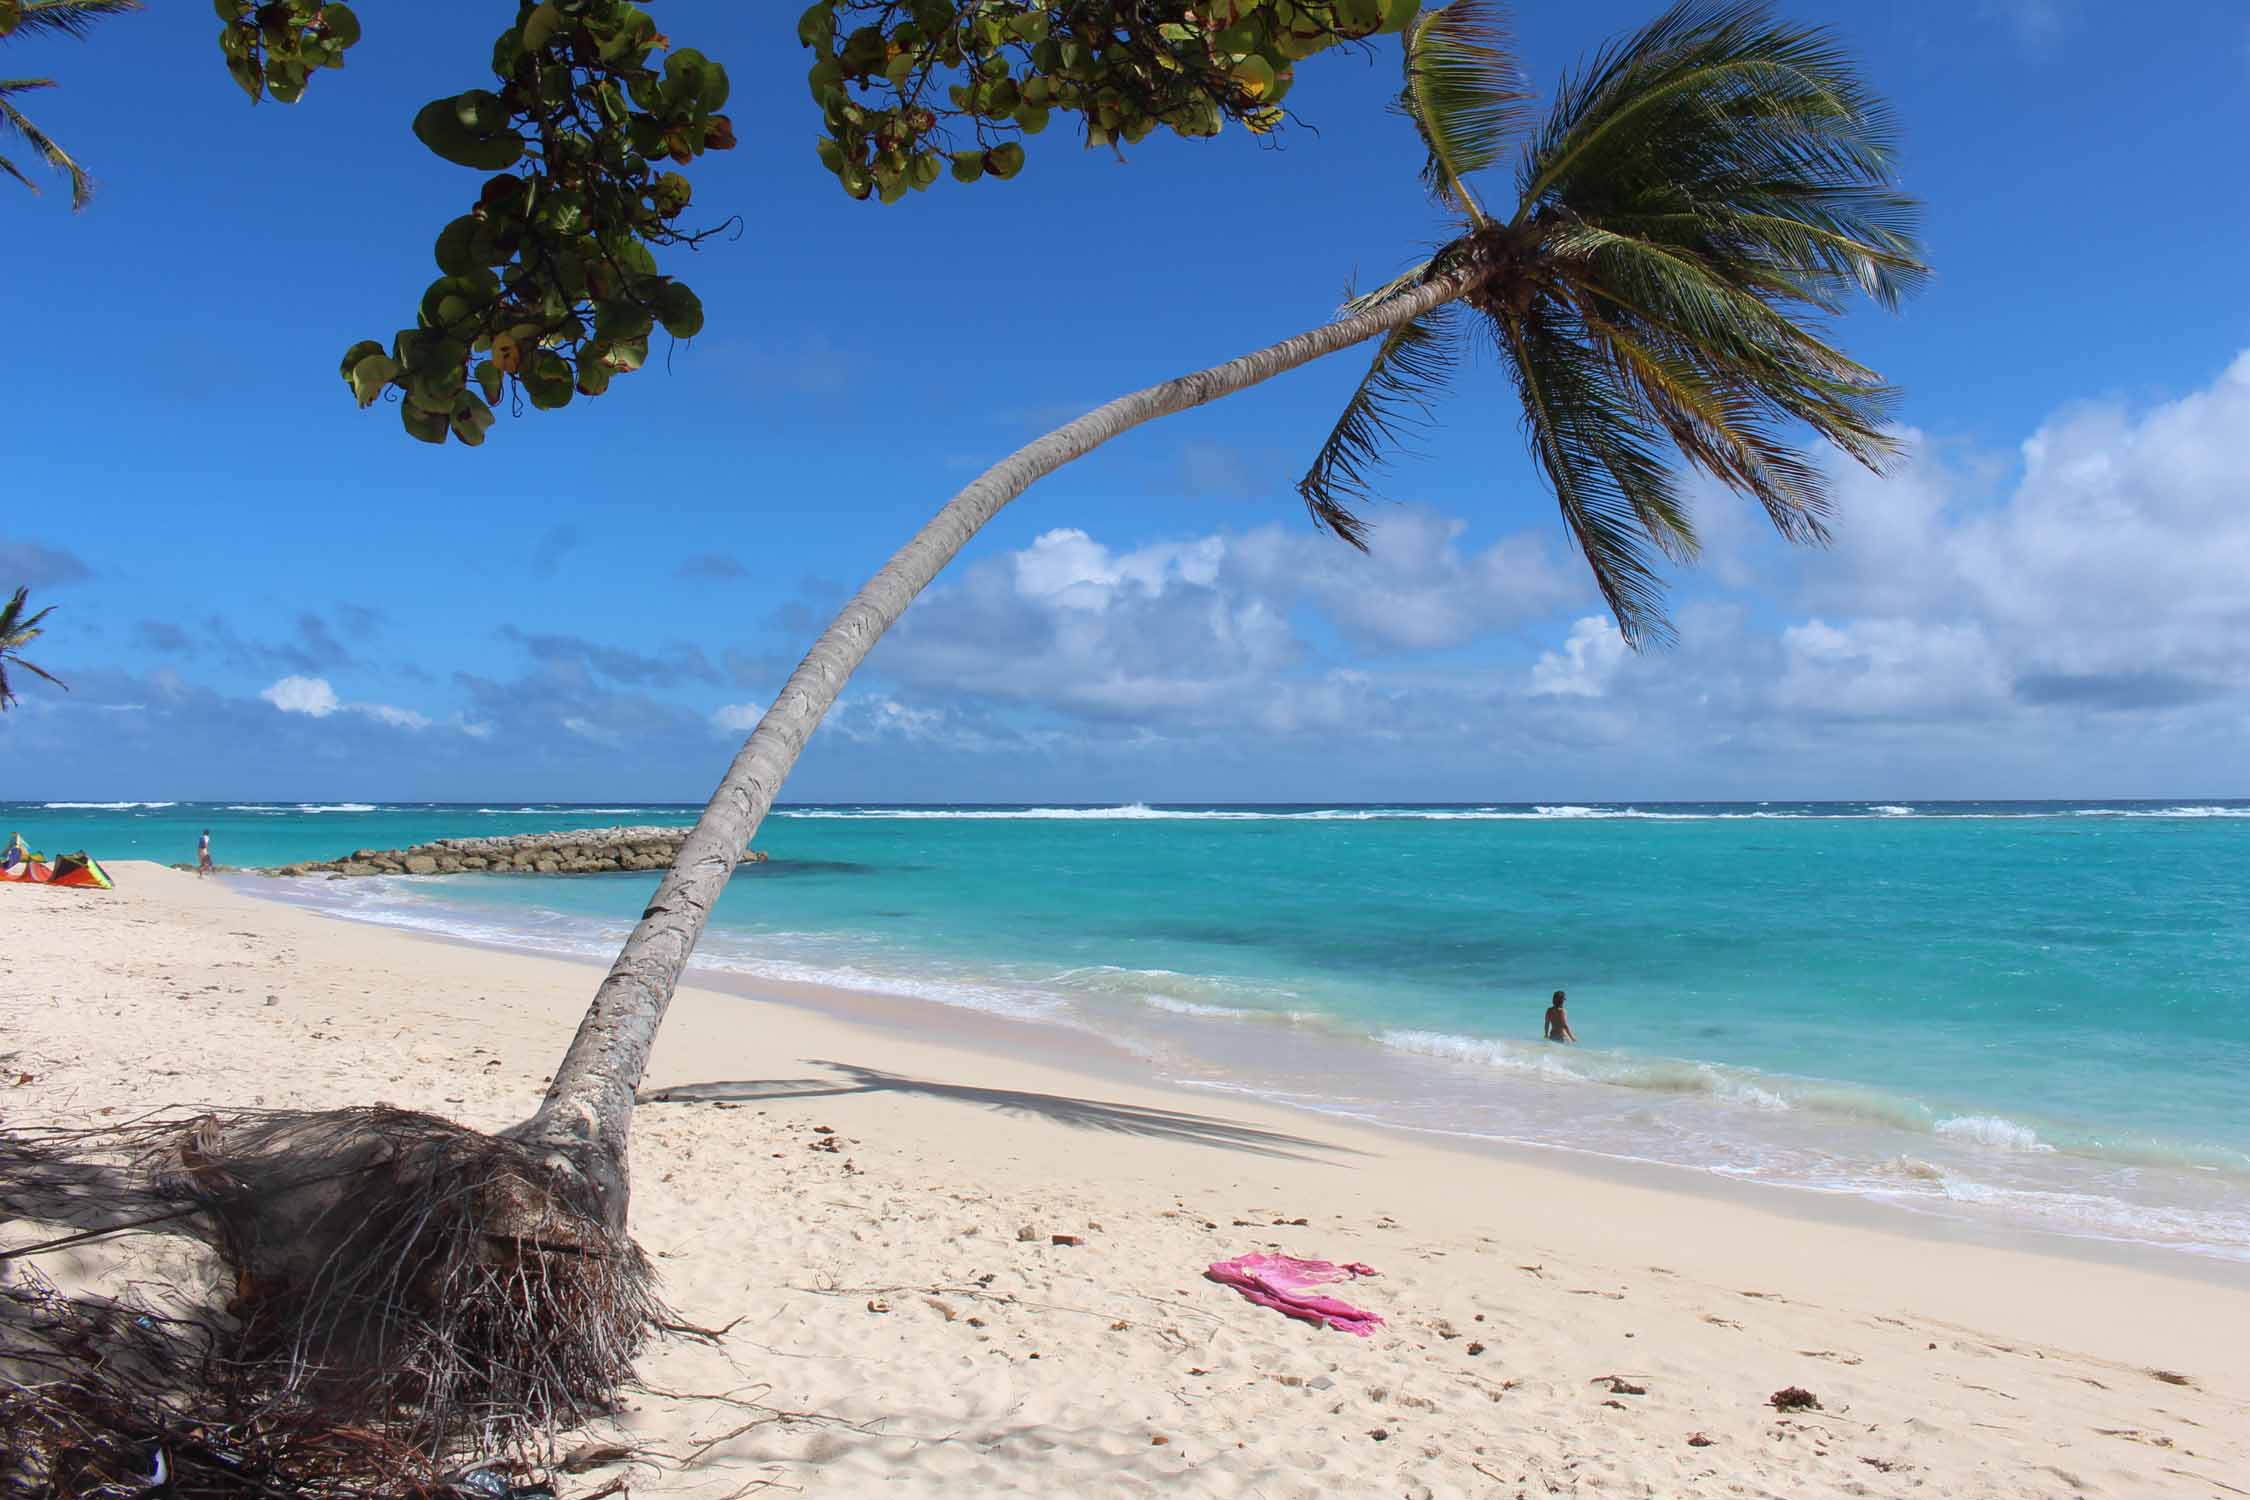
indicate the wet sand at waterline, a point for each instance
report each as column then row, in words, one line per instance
column 1550, row 1330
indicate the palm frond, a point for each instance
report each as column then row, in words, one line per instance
column 16, row 632
column 1411, row 365
column 1702, row 195
column 1465, row 95
column 1721, row 325
column 14, row 120
column 1591, row 440
column 68, row 17
column 16, row 172
column 1722, row 130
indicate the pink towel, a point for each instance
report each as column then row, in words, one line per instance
column 1279, row 1282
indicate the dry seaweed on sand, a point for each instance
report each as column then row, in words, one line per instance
column 403, row 1289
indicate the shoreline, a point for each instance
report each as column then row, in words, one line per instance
column 1082, row 1049
column 1971, row 1368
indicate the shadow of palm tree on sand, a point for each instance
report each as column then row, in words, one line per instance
column 1063, row 1109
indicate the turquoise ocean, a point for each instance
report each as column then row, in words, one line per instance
column 2035, row 1014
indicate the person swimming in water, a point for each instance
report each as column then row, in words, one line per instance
column 1558, row 1024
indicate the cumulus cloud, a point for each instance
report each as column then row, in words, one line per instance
column 1586, row 663
column 1206, row 632
column 311, row 696
column 315, row 698
column 737, row 718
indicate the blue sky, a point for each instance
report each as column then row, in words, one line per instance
column 266, row 593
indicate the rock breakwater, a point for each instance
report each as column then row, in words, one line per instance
column 583, row 851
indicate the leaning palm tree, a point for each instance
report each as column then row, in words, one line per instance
column 1697, row 198
column 50, row 17
column 18, row 630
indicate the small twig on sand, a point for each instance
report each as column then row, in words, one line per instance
column 709, row 1335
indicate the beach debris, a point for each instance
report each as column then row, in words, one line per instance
column 1717, row 1321
column 1885, row 1465
column 594, row 1456
column 1295, row 1223
column 1066, row 1239
column 1621, row 1406
column 1379, row 1434
column 1281, row 1281
column 1158, row 1440
column 877, row 1305
column 1793, row 1398
column 1699, row 1440
column 1028, row 1233
column 1119, row 1326
column 2171, row 1377
column 1474, row 1350
column 1619, row 1385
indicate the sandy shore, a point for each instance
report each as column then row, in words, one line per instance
column 890, row 1300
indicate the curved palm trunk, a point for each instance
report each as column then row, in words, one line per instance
column 588, row 1110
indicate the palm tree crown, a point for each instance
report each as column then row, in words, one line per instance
column 1700, row 196
column 52, row 18
column 16, row 632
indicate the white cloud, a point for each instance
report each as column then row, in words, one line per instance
column 476, row 729
column 303, row 695
column 2076, row 616
column 402, row 718
column 737, row 718
column 315, row 698
column 1589, row 659
column 1202, row 634
column 587, row 729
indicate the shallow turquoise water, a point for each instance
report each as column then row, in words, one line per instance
column 2039, row 1010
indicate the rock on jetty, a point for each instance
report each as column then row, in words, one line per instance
column 584, row 851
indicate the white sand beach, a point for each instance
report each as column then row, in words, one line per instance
column 873, row 1210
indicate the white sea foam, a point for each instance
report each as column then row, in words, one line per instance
column 102, row 806
column 1890, row 810
column 335, row 807
column 1191, row 1007
column 1991, row 1130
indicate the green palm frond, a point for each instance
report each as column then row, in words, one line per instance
column 1592, row 440
column 1411, row 366
column 67, row 17
column 1701, row 196
column 13, row 121
column 1463, row 93
column 16, row 632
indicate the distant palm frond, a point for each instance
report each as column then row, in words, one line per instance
column 14, row 121
column 18, row 630
column 67, row 17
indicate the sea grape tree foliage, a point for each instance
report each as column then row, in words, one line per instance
column 910, row 90
column 549, row 285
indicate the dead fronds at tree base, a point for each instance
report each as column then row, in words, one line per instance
column 406, row 1292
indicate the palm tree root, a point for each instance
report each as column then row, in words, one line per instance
column 392, row 1283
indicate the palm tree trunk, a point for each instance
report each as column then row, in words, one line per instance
column 587, row 1114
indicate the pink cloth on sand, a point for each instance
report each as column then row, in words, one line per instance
column 1279, row 1282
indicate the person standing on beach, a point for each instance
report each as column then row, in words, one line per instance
column 203, row 854
column 1558, row 1024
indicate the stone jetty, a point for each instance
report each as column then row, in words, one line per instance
column 583, row 851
